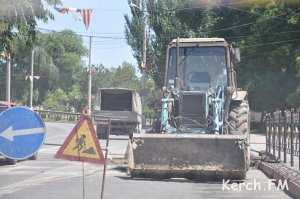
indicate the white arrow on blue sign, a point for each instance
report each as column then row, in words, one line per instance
column 22, row 132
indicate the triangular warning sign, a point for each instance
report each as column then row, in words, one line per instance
column 82, row 144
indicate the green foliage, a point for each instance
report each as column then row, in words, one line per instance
column 75, row 97
column 66, row 50
column 124, row 76
column 268, row 35
column 294, row 98
column 64, row 101
column 149, row 98
column 57, row 60
column 63, row 78
column 56, row 100
column 18, row 21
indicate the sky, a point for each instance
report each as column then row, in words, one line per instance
column 107, row 20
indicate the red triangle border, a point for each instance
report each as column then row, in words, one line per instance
column 60, row 155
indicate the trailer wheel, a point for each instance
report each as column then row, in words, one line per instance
column 102, row 132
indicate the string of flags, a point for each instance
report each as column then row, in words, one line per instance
column 85, row 14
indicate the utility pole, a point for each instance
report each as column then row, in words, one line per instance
column 145, row 45
column 142, row 8
column 90, row 79
column 8, row 77
column 31, row 78
column 144, row 64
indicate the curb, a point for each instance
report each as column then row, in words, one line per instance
column 279, row 171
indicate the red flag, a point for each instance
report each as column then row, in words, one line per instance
column 86, row 16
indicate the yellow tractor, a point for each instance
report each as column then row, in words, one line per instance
column 204, row 122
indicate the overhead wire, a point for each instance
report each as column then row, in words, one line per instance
column 96, row 35
column 274, row 33
column 243, row 25
column 271, row 43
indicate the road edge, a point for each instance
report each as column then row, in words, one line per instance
column 279, row 171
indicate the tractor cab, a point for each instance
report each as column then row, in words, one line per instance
column 198, row 73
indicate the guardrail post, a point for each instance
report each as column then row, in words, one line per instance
column 298, row 127
column 267, row 130
column 273, row 135
column 292, row 137
column 284, row 136
column 279, row 127
column 270, row 133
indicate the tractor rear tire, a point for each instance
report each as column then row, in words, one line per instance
column 239, row 118
column 239, row 124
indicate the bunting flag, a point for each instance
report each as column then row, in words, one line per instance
column 86, row 17
column 65, row 10
column 85, row 14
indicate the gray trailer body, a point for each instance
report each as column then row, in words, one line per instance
column 124, row 108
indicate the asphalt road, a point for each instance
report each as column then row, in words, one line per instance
column 49, row 178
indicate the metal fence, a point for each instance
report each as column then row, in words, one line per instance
column 61, row 116
column 58, row 116
column 148, row 120
column 282, row 135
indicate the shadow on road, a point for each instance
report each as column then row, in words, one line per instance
column 122, row 169
column 177, row 180
column 5, row 162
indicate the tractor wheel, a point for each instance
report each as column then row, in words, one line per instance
column 239, row 118
column 239, row 124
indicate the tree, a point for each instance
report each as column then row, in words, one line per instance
column 56, row 100
column 57, row 61
column 66, row 50
column 269, row 69
column 123, row 76
column 18, row 20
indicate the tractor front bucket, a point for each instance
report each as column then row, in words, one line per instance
column 191, row 156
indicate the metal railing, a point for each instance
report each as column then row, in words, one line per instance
column 58, row 116
column 148, row 120
column 282, row 135
column 62, row 116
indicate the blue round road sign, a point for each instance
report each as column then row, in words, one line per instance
column 22, row 132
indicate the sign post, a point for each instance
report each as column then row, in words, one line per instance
column 108, row 125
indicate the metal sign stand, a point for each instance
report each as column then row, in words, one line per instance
column 83, row 181
column 83, row 172
column 105, row 163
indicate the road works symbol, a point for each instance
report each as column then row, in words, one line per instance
column 82, row 144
